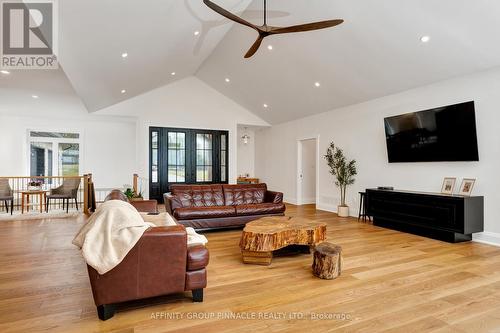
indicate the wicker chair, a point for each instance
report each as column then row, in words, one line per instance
column 68, row 190
column 6, row 195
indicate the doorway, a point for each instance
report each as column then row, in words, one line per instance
column 307, row 171
column 186, row 156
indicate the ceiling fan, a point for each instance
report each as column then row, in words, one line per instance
column 266, row 30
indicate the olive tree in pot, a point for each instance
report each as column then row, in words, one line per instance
column 343, row 172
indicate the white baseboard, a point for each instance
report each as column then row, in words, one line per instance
column 326, row 207
column 308, row 201
column 490, row 238
column 292, row 201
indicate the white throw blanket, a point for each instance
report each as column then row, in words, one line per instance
column 110, row 233
column 164, row 219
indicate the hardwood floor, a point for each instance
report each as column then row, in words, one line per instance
column 391, row 282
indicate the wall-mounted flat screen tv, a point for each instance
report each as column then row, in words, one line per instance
column 445, row 134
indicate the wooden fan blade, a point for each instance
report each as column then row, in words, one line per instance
column 255, row 46
column 305, row 27
column 229, row 15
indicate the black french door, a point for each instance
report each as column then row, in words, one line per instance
column 186, row 156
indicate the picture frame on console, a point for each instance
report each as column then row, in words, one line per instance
column 448, row 185
column 467, row 186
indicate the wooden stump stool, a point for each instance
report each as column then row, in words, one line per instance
column 327, row 262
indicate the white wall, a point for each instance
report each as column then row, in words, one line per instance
column 188, row 103
column 107, row 151
column 359, row 129
column 246, row 153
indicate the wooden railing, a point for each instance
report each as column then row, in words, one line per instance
column 85, row 194
column 88, row 196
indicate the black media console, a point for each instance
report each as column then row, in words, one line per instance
column 450, row 218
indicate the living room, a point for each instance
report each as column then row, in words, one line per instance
column 165, row 96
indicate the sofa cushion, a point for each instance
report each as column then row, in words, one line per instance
column 198, row 195
column 243, row 194
column 188, row 213
column 260, row 209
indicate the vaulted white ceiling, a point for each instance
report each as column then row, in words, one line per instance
column 157, row 35
column 376, row 52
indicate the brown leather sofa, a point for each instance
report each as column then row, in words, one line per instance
column 222, row 206
column 160, row 263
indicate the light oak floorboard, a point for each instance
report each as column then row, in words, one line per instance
column 390, row 282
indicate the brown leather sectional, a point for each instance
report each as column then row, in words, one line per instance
column 222, row 206
column 161, row 263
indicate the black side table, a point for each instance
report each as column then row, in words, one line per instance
column 362, row 208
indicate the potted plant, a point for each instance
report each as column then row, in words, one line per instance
column 343, row 172
column 133, row 195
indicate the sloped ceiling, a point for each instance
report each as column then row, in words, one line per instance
column 376, row 52
column 157, row 35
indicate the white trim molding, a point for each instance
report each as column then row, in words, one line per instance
column 326, row 207
column 490, row 238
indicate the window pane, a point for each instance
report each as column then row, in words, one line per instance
column 223, row 174
column 154, row 157
column 69, row 159
column 154, row 140
column 41, row 159
column 181, row 157
column 54, row 135
column 172, row 174
column 208, row 157
column 154, row 174
column 200, row 174
column 223, row 142
column 181, row 140
column 200, row 157
column 172, row 157
column 208, row 174
column 223, row 158
column 208, row 141
column 181, row 171
column 199, row 141
column 172, row 139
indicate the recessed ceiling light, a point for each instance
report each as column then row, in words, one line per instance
column 173, row 73
column 425, row 39
column 269, row 47
column 317, row 84
column 34, row 96
column 227, row 80
column 124, row 54
column 196, row 33
column 265, row 106
column 5, row 72
column 123, row 91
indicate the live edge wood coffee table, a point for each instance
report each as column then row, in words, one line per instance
column 264, row 236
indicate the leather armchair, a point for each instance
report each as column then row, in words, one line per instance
column 160, row 263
